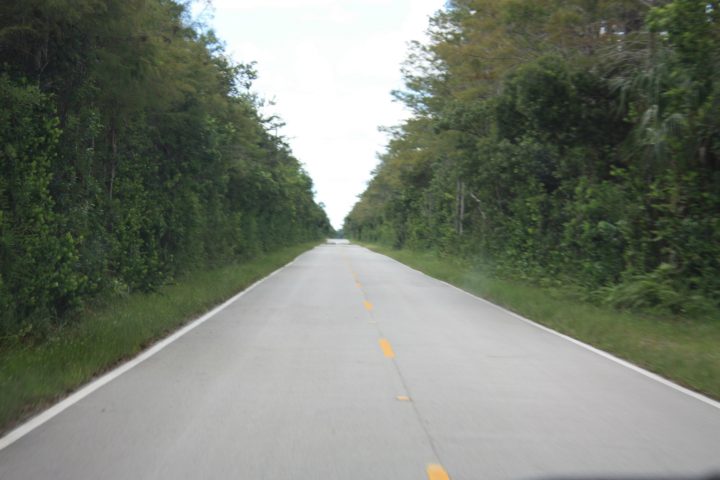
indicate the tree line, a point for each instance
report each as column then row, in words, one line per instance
column 570, row 142
column 131, row 150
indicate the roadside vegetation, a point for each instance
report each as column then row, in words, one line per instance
column 566, row 142
column 563, row 159
column 132, row 151
column 113, row 329
column 139, row 185
column 683, row 350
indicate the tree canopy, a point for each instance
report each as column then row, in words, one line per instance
column 131, row 150
column 566, row 141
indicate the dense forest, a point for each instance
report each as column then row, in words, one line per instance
column 132, row 150
column 566, row 142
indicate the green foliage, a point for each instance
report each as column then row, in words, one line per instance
column 36, row 257
column 132, row 151
column 568, row 142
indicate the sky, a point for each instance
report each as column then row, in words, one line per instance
column 329, row 66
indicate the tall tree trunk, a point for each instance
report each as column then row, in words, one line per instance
column 113, row 160
column 459, row 206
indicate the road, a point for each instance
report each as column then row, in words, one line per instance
column 348, row 365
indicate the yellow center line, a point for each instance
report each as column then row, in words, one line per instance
column 436, row 472
column 386, row 348
column 368, row 305
column 403, row 398
column 357, row 284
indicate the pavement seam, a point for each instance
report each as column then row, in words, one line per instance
column 416, row 410
column 403, row 381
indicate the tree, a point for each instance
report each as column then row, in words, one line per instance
column 573, row 139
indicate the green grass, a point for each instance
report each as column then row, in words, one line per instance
column 31, row 377
column 683, row 350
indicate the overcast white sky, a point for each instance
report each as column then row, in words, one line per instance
column 330, row 66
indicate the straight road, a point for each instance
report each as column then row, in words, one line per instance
column 348, row 365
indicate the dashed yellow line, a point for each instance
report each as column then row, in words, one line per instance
column 357, row 284
column 437, row 472
column 386, row 348
column 403, row 398
column 368, row 305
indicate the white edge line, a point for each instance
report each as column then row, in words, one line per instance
column 625, row 363
column 56, row 409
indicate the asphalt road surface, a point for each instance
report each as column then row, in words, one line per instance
column 348, row 365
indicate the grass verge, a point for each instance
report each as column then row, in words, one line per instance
column 31, row 377
column 683, row 350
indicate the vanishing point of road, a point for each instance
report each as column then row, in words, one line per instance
column 347, row 365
